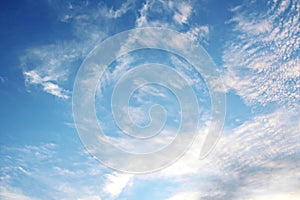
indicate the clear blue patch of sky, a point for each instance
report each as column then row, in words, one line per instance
column 150, row 189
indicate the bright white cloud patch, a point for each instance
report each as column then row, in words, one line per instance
column 116, row 183
column 33, row 78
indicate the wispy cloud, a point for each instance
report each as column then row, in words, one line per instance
column 183, row 13
column 8, row 193
column 51, row 65
column 127, row 5
column 53, row 173
column 20, row 162
column 262, row 66
column 2, row 79
column 33, row 78
column 54, row 63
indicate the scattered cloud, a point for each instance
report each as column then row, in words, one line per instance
column 256, row 158
column 20, row 162
column 53, row 64
column 199, row 34
column 173, row 15
column 262, row 61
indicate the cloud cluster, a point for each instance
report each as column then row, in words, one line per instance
column 262, row 62
column 50, row 65
column 256, row 160
column 33, row 78
column 259, row 157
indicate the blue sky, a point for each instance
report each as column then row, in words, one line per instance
column 255, row 46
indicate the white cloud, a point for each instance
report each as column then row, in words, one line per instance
column 50, row 65
column 262, row 62
column 142, row 20
column 52, row 173
column 66, row 172
column 55, row 90
column 184, row 11
column 133, row 145
column 199, row 33
column 250, row 161
column 123, row 64
column 33, row 78
column 90, row 198
column 8, row 193
column 279, row 183
column 66, row 189
column 150, row 8
column 116, row 183
column 97, row 10
column 185, row 196
column 127, row 5
column 244, row 154
column 38, row 152
column 277, row 196
column 244, row 24
column 177, row 10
